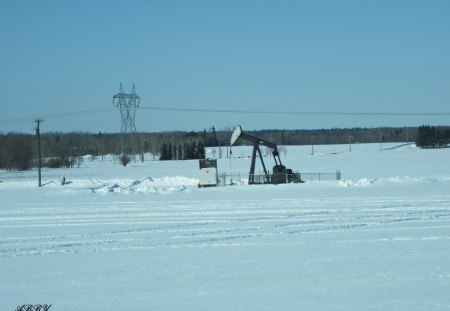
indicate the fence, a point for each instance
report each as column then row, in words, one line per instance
column 321, row 176
column 239, row 179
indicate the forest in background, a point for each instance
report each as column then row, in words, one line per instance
column 19, row 151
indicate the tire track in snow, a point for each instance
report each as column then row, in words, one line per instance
column 117, row 226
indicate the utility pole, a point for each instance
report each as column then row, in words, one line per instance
column 350, row 142
column 220, row 149
column 38, row 134
column 312, row 144
column 379, row 132
column 142, row 149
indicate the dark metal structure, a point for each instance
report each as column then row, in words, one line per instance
column 127, row 104
column 280, row 174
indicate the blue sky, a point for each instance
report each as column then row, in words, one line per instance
column 60, row 57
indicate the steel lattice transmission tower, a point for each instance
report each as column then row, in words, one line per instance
column 127, row 104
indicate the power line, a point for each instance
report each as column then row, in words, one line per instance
column 237, row 111
column 59, row 115
column 299, row 112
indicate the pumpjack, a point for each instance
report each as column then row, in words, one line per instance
column 280, row 174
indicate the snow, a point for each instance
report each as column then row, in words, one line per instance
column 145, row 237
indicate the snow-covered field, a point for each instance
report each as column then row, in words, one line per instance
column 145, row 237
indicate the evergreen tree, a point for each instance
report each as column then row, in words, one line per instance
column 186, row 151
column 164, row 152
column 170, row 151
column 205, row 135
column 194, row 151
column 442, row 137
column 421, row 136
column 214, row 141
column 432, row 137
column 201, row 153
column 180, row 152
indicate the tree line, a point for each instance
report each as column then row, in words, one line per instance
column 183, row 151
column 432, row 137
column 18, row 151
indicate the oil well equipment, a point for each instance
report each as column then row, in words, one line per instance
column 280, row 174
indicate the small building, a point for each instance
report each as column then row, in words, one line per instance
column 208, row 176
